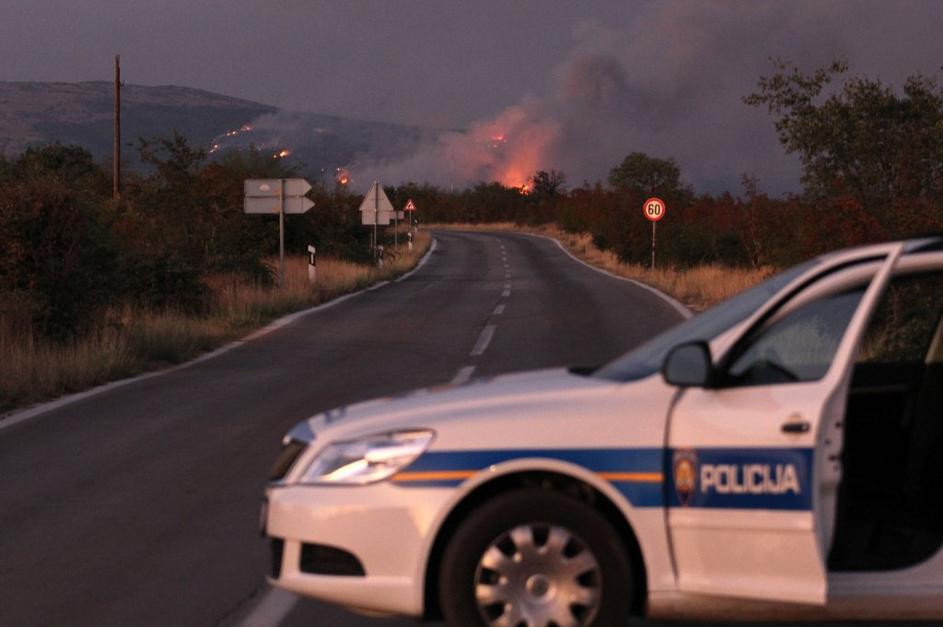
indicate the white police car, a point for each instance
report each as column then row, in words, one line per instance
column 777, row 455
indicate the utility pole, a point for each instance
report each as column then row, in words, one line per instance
column 281, row 233
column 376, row 216
column 116, row 153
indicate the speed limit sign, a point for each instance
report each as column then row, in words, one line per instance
column 654, row 209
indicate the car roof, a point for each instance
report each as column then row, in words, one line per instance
column 919, row 244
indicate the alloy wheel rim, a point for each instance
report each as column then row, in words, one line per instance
column 538, row 575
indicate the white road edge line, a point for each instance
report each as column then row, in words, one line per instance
column 271, row 609
column 498, row 310
column 17, row 417
column 483, row 340
column 681, row 309
column 463, row 375
column 421, row 263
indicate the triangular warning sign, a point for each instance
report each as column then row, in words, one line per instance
column 410, row 205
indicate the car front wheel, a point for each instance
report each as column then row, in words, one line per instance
column 533, row 558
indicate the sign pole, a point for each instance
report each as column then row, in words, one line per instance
column 396, row 228
column 281, row 233
column 653, row 244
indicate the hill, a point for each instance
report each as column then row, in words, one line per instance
column 80, row 113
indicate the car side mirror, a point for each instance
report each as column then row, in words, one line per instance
column 688, row 365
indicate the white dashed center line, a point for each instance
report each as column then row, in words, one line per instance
column 507, row 286
column 506, row 293
column 499, row 310
column 483, row 340
column 463, row 375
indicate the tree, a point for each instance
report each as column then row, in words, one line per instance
column 69, row 163
column 865, row 139
column 650, row 176
column 547, row 185
column 58, row 257
column 6, row 168
column 176, row 162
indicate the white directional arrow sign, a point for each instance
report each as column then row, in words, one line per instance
column 293, row 204
column 269, row 188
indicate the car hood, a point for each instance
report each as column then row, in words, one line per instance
column 516, row 395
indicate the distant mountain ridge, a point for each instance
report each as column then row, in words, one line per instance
column 81, row 113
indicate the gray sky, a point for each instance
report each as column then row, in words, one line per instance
column 588, row 81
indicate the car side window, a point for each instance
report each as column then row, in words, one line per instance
column 796, row 348
column 905, row 321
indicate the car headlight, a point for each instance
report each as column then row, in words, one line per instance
column 368, row 459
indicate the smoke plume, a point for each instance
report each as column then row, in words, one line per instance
column 671, row 86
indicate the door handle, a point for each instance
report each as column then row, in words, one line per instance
column 796, row 426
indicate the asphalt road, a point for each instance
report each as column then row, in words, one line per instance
column 139, row 506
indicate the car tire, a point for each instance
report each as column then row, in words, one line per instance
column 535, row 557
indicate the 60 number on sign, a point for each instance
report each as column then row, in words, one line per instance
column 654, row 210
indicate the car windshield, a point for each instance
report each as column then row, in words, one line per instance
column 647, row 358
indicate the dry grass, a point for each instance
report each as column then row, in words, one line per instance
column 697, row 287
column 32, row 369
column 132, row 341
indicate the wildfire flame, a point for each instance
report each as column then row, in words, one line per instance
column 509, row 149
column 343, row 176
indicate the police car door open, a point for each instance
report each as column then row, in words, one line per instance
column 754, row 461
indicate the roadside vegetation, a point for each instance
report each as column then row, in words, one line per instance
column 92, row 288
column 131, row 340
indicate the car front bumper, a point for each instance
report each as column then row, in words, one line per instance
column 385, row 528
